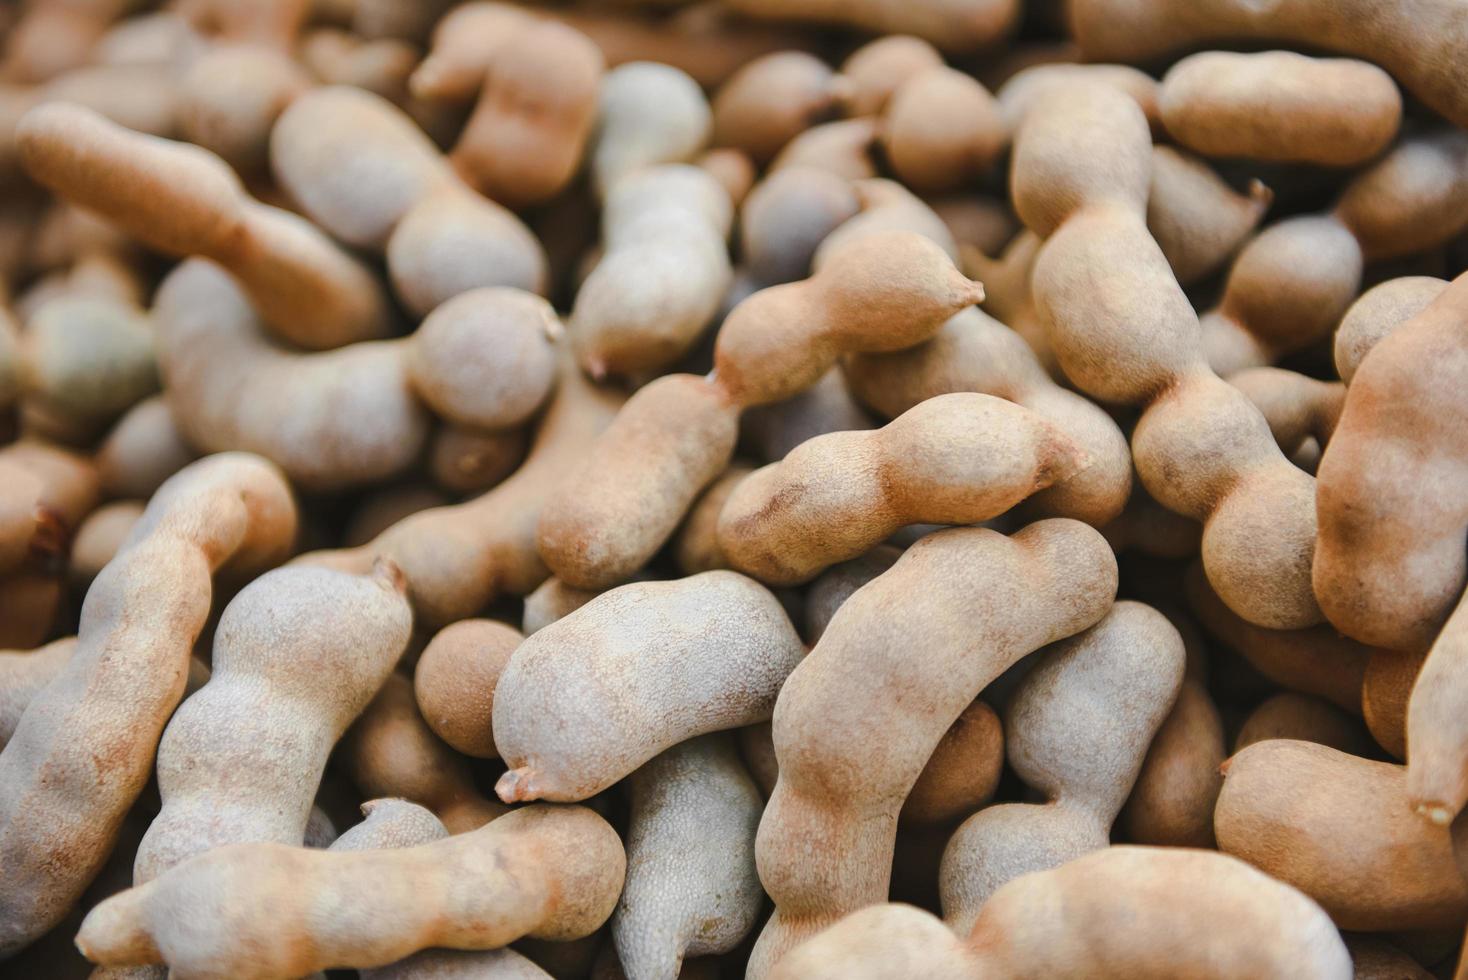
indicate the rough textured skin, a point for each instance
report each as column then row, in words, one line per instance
column 959, row 458
column 629, row 493
column 786, row 217
column 1124, row 913
column 1279, row 105
column 650, row 114
column 1376, row 959
column 1437, row 736
column 663, row 272
column 83, row 750
column 961, row 774
column 697, row 544
column 826, row 837
column 975, row 352
column 691, row 885
column 942, row 130
column 246, row 910
column 1078, row 728
column 876, row 69
column 772, row 431
column 455, row 679
column 458, row 558
column 24, row 674
column 1303, row 718
column 1296, row 407
column 1340, row 829
column 389, row 823
column 953, row 25
column 391, row 752
column 1029, row 86
column 298, row 654
column 1081, row 172
column 593, row 696
column 835, row 585
column 553, row 600
column 1379, row 311
column 1199, row 221
column 886, row 206
column 1420, row 43
column 1172, row 801
column 774, row 98
column 1390, row 563
column 143, row 449
column 184, row 200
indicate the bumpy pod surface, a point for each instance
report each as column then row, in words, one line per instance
column 455, row 680
column 1380, row 310
column 23, row 675
column 1437, row 742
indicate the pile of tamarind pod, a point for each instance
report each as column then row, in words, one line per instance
column 787, row 489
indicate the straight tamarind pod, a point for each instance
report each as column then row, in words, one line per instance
column 553, row 872
column 1437, row 744
column 84, row 747
column 641, row 668
column 959, row 458
column 184, row 200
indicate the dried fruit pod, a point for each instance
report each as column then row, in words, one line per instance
column 1380, row 310
column 124, row 680
column 985, row 601
column 1339, row 828
column 786, row 217
column 1279, row 105
column 774, row 98
column 1139, row 913
column 546, row 871
column 464, row 39
column 772, row 431
column 941, row 130
column 838, row 583
column 99, row 538
column 878, row 68
column 886, row 207
column 691, row 885
column 1077, row 730
column 649, row 114
column 640, row 668
column 231, row 96
column 1390, row 565
column 842, row 148
column 953, row 25
column 1303, row 718
column 961, row 774
column 185, row 201
column 455, row 680
column 1199, row 221
column 959, row 458
column 466, row 460
column 553, row 600
column 143, row 449
column 697, row 544
column 390, row 822
column 1296, row 407
column 1437, row 777
column 24, row 674
column 1029, row 86
column 298, row 654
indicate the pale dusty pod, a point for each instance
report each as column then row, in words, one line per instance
column 1123, row 913
column 466, row 460
column 23, row 675
column 844, row 148
column 786, row 217
column 455, row 680
column 1340, row 829
column 649, row 114
column 1051, row 580
column 697, row 543
column 464, row 40
column 546, row 871
column 640, row 668
column 1279, row 105
column 99, row 538
column 1437, row 779
column 772, row 431
column 230, row 97
column 763, row 105
column 886, row 206
column 1412, row 199
column 691, row 885
column 878, row 68
column 1379, row 311
column 185, row 201
column 953, row 25
column 1199, row 221
column 125, row 679
column 942, row 129
column 959, row 458
column 143, row 449
column 1029, row 86
column 1305, row 719
column 838, row 583
column 1296, row 407
column 391, row 822
column 1076, row 731
column 553, row 600
column 298, row 654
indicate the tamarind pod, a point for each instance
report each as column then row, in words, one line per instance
column 390, row 822
column 1380, row 310
column 1199, row 221
column 649, row 114
column 764, row 104
column 1303, row 718
column 845, row 148
column 787, row 216
column 100, row 538
column 231, row 96
column 1386, row 690
column 886, row 206
column 876, row 69
column 1028, row 86
column 773, row 431
column 1437, row 746
column 24, row 674
column 953, row 25
column 697, row 543
column 1296, row 407
column 838, row 583
column 1172, row 800
column 553, row 600
column 143, row 449
column 1375, row 959
column 941, row 130
column 455, row 680
column 1410, row 200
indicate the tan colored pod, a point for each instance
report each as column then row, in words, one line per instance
column 1077, row 730
column 1296, row 407
column 959, row 458
column 524, row 141
column 455, row 679
column 546, row 871
column 1437, row 742
column 953, row 25
column 976, row 220
column 381, row 509
column 886, row 206
column 1281, row 106
column 838, row 583
column 464, row 39
column 844, row 148
column 1412, row 199
column 466, row 460
column 45, row 492
column 24, row 674
column 1339, row 828
column 99, row 538
column 771, row 432
column 1123, row 913
column 884, row 291
column 649, row 114
column 30, row 602
column 961, row 774
column 1172, row 801
column 732, row 168
column 786, row 217
column 298, row 654
column 458, row 558
column 1380, row 310
column 1376, row 959
column 697, row 544
column 941, row 130
column 1385, row 692
column 640, row 668
column 1030, row 85
column 878, row 68
column 138, row 628
column 143, row 449
column 975, row 352
column 691, row 885
column 1420, row 45
column 185, row 201
column 391, row 751
column 231, row 96
column 630, row 492
column 388, row 823
column 1200, row 448
column 1199, row 221
column 1390, row 563
column 763, row 105
column 553, row 600
column 826, row 837
column 664, row 270
column 1304, row 718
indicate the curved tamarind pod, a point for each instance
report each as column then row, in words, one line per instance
column 1338, row 827
column 975, row 352
column 691, row 885
column 24, row 674
column 84, row 747
column 987, row 600
column 774, row 98
column 1390, row 563
column 1199, row 221
column 959, row 458
column 143, row 449
column 458, row 558
column 1305, row 719
column 1295, row 406
column 1078, row 729
column 787, row 216
column 1139, row 913
column 1421, row 45
column 1380, row 310
column 1437, row 744
column 953, row 25
column 642, row 667
column 961, row 774
column 390, row 822
column 1082, row 166
column 183, row 200
column 298, row 654
column 547, row 871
